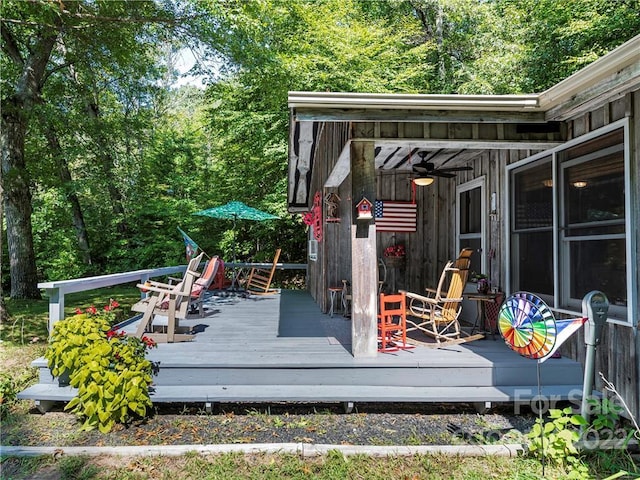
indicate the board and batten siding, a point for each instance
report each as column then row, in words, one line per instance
column 327, row 270
column 434, row 242
column 617, row 356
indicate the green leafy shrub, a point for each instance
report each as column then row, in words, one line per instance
column 7, row 393
column 72, row 337
column 555, row 440
column 108, row 368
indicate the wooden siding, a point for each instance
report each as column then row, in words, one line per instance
column 328, row 271
column 434, row 241
column 618, row 355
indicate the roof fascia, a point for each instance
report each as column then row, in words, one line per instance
column 392, row 101
column 607, row 66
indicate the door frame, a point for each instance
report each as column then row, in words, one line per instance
column 479, row 182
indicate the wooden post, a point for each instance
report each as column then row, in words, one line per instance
column 364, row 280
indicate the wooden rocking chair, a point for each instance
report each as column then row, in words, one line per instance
column 462, row 263
column 171, row 301
column 259, row 280
column 437, row 313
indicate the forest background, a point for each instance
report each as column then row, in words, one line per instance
column 104, row 155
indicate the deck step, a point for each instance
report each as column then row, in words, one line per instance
column 439, row 375
column 282, row 348
column 328, row 393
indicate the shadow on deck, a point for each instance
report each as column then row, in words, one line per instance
column 282, row 348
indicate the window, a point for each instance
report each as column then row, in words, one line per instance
column 569, row 215
column 532, row 229
column 592, row 224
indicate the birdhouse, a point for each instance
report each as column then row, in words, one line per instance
column 332, row 201
column 365, row 209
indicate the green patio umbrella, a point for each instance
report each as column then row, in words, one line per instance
column 236, row 211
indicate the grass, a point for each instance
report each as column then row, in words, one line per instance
column 333, row 466
column 28, row 319
column 24, row 339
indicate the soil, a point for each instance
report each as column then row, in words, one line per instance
column 368, row 424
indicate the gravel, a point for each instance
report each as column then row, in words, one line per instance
column 368, row 424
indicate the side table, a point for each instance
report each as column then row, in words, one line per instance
column 483, row 300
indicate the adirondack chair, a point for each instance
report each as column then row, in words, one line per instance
column 259, row 279
column 170, row 301
column 437, row 315
column 392, row 323
column 201, row 285
column 220, row 281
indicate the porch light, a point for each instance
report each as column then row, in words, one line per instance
column 579, row 184
column 548, row 183
column 423, row 181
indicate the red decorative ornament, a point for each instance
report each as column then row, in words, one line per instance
column 307, row 218
column 317, row 216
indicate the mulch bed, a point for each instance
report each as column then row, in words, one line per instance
column 368, row 424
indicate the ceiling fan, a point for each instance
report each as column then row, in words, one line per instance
column 427, row 170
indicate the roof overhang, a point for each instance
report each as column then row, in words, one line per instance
column 469, row 124
column 393, row 101
column 622, row 61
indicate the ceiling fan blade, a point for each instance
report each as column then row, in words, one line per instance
column 438, row 173
column 426, row 166
column 455, row 169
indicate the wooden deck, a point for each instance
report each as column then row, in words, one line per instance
column 283, row 348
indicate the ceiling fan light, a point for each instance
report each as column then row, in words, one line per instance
column 423, row 181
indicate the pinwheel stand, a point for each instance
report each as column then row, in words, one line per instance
column 529, row 328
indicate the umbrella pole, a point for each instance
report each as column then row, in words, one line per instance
column 234, row 276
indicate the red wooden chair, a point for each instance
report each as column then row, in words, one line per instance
column 392, row 323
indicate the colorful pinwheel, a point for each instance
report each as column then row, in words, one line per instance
column 527, row 325
column 529, row 328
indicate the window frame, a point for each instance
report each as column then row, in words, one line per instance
column 546, row 158
column 631, row 218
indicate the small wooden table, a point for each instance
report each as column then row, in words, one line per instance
column 333, row 291
column 481, row 317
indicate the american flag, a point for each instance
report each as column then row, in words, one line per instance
column 395, row 216
column 191, row 246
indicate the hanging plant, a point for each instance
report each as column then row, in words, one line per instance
column 394, row 256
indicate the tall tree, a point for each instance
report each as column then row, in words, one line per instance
column 41, row 40
column 30, row 62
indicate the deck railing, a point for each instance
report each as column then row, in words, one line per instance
column 56, row 290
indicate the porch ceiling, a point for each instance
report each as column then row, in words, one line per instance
column 399, row 157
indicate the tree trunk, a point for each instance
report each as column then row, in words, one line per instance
column 16, row 108
column 106, row 161
column 4, row 316
column 442, row 73
column 17, row 200
column 103, row 153
column 72, row 198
